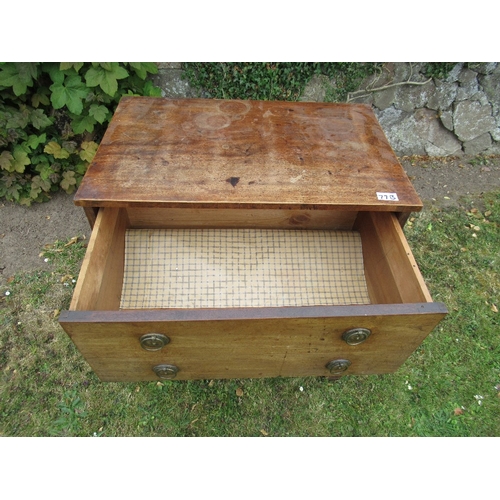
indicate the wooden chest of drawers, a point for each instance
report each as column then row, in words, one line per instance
column 236, row 239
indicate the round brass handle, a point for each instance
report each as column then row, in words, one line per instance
column 356, row 336
column 338, row 365
column 166, row 372
column 154, row 341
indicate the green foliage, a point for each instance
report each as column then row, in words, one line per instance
column 479, row 160
column 72, row 411
column 347, row 77
column 439, row 70
column 52, row 117
column 272, row 81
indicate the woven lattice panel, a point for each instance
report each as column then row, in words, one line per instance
column 215, row 268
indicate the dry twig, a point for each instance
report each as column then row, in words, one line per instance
column 351, row 95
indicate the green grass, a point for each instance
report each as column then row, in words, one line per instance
column 47, row 389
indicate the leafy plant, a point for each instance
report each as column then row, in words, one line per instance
column 52, row 117
column 479, row 160
column 271, row 80
column 439, row 70
column 347, row 77
column 72, row 410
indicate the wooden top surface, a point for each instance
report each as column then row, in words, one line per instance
column 210, row 153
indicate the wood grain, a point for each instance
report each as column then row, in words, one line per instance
column 392, row 275
column 99, row 284
column 209, row 153
column 149, row 218
column 247, row 343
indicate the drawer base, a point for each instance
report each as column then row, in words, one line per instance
column 207, row 268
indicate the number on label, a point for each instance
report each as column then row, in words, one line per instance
column 387, row 197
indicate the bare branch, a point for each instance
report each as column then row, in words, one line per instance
column 351, row 96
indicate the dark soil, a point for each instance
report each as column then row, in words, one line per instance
column 443, row 182
column 25, row 230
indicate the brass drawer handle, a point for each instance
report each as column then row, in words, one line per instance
column 166, row 372
column 338, row 365
column 356, row 336
column 154, row 341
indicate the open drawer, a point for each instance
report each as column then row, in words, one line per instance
column 368, row 319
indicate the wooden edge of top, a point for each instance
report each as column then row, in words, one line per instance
column 382, row 207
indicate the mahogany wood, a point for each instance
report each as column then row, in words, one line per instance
column 209, row 153
column 241, row 343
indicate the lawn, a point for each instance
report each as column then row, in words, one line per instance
column 450, row 386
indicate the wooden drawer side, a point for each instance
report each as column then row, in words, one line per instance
column 392, row 275
column 99, row 284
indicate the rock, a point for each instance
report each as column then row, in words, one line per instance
column 443, row 96
column 402, row 71
column 483, row 68
column 169, row 65
column 384, row 77
column 417, row 134
column 315, row 90
column 384, row 98
column 468, row 85
column 491, row 87
column 467, row 76
column 410, row 97
column 398, row 128
column 471, row 119
column 390, row 117
column 438, row 141
column 447, row 119
column 495, row 134
column 364, row 99
column 481, row 98
column 494, row 149
column 381, row 99
column 171, row 83
column 418, row 67
column 453, row 74
column 477, row 145
column 464, row 93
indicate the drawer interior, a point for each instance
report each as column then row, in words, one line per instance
column 217, row 268
column 163, row 266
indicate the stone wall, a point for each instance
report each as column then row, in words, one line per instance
column 454, row 116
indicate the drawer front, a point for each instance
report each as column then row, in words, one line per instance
column 238, row 344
